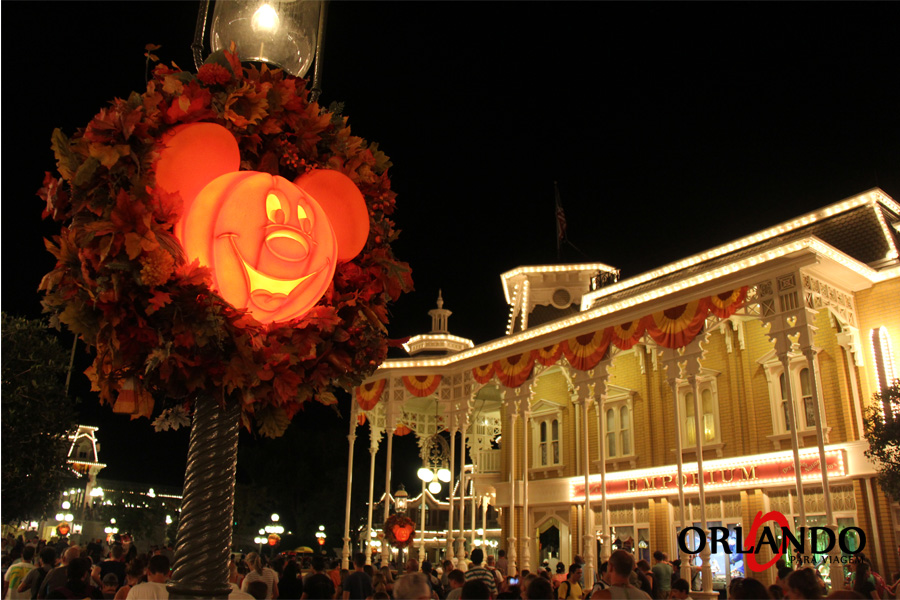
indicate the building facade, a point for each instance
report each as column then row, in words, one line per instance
column 699, row 394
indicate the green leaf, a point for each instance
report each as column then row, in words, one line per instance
column 272, row 421
column 66, row 160
column 85, row 172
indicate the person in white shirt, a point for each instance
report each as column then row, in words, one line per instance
column 157, row 576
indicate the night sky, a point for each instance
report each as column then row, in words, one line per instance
column 670, row 128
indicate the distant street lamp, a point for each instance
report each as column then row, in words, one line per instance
column 401, row 499
column 320, row 535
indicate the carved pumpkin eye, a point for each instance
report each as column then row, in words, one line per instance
column 275, row 209
column 305, row 222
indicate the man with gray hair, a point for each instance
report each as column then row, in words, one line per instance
column 412, row 586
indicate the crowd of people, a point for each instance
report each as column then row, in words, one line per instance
column 118, row 571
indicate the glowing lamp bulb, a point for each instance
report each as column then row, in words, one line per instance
column 434, row 487
column 265, row 19
column 444, row 475
column 425, row 474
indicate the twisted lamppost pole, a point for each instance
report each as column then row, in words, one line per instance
column 266, row 33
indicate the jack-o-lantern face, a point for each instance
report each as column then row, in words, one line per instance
column 402, row 533
column 270, row 245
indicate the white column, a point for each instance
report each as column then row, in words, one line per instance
column 472, row 520
column 373, row 450
column 449, row 552
column 679, row 451
column 792, row 423
column 588, row 534
column 836, row 569
column 526, row 461
column 460, row 538
column 511, row 555
column 484, row 505
column 345, row 553
column 705, row 569
column 605, row 539
column 422, row 521
column 389, row 428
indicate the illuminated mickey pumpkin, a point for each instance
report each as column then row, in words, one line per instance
column 402, row 532
column 271, row 246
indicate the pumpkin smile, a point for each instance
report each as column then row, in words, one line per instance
column 267, row 292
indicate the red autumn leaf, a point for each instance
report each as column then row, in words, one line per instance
column 158, row 300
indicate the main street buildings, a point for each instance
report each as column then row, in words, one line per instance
column 703, row 392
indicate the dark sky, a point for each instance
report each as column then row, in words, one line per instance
column 670, row 127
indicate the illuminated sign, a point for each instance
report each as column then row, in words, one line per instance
column 754, row 471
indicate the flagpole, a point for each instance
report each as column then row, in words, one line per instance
column 560, row 222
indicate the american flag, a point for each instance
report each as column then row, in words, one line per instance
column 560, row 219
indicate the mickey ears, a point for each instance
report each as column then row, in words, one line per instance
column 345, row 206
column 195, row 154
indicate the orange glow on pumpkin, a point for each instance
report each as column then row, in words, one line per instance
column 269, row 245
column 193, row 155
column 345, row 205
column 401, row 533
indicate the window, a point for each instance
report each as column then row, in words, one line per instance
column 802, row 388
column 546, row 427
column 884, row 358
column 615, row 419
column 618, row 431
column 548, row 443
column 709, row 409
column 805, row 411
column 708, row 423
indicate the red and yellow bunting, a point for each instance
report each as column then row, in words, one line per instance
column 727, row 303
column 368, row 394
column 361, row 419
column 628, row 334
column 402, row 430
column 548, row 355
column 673, row 327
column 421, row 385
column 484, row 373
column 584, row 351
column 677, row 327
column 513, row 371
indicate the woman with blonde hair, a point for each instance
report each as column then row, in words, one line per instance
column 258, row 572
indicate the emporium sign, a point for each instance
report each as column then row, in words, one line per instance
column 752, row 472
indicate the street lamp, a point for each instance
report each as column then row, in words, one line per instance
column 401, row 498
column 320, row 535
column 271, row 533
column 284, row 34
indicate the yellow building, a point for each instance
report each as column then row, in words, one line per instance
column 600, row 378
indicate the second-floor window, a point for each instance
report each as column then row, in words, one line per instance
column 618, row 431
column 548, row 442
